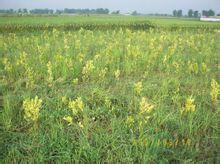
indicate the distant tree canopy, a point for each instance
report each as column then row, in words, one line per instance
column 192, row 13
column 134, row 13
column 8, row 11
column 41, row 11
column 211, row 13
column 208, row 13
column 85, row 11
column 196, row 14
column 116, row 12
column 50, row 11
column 158, row 14
column 180, row 13
column 177, row 13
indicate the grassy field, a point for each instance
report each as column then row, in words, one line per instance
column 57, row 20
column 121, row 94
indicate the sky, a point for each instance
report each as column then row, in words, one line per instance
column 143, row 6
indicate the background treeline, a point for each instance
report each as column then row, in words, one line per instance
column 176, row 13
column 194, row 13
column 50, row 11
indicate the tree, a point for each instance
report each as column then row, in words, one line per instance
column 7, row 11
column 179, row 13
column 50, row 11
column 116, row 12
column 196, row 14
column 208, row 13
column 175, row 13
column 11, row 11
column 25, row 10
column 134, row 13
column 204, row 13
column 41, row 11
column 58, row 11
column 211, row 13
column 102, row 11
column 190, row 13
column 106, row 11
column 19, row 11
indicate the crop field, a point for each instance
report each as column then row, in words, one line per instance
column 141, row 90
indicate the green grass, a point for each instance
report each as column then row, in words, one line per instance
column 36, row 20
column 98, row 22
column 115, row 123
column 57, row 20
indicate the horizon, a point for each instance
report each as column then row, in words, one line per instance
column 141, row 6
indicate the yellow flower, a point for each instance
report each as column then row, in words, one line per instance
column 80, row 57
column 102, row 73
column 130, row 120
column 96, row 57
column 204, row 68
column 50, row 73
column 75, row 81
column 79, row 103
column 193, row 67
column 66, row 47
column 88, row 68
column 117, row 74
column 138, row 87
column 214, row 91
column 107, row 102
column 73, row 107
column 145, row 107
column 189, row 105
column 176, row 65
column 68, row 119
column 188, row 142
column 80, row 125
column 30, row 76
column 7, row 64
column 64, row 99
column 217, row 31
column 32, row 108
column 22, row 59
column 76, row 105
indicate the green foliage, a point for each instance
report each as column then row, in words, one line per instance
column 177, row 13
column 190, row 13
column 208, row 13
column 116, row 95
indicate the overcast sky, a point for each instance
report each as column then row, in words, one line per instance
column 144, row 6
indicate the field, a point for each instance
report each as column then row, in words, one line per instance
column 109, row 89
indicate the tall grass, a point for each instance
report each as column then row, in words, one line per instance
column 110, row 96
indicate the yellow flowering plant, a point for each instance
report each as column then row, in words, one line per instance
column 215, row 89
column 32, row 108
column 76, row 105
column 117, row 74
column 189, row 106
column 68, row 119
column 138, row 87
column 145, row 106
column 88, row 68
column 50, row 73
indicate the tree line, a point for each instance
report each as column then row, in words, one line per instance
column 51, row 11
column 176, row 13
column 194, row 14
